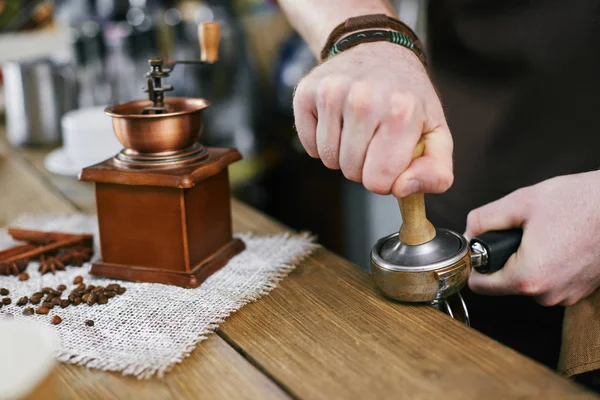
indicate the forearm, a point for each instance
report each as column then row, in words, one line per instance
column 315, row 19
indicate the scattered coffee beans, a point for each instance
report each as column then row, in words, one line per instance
column 78, row 279
column 56, row 320
column 62, row 288
column 22, row 301
column 42, row 310
column 28, row 311
column 23, row 276
column 6, row 301
column 4, row 292
column 89, row 322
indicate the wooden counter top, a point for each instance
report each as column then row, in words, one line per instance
column 324, row 333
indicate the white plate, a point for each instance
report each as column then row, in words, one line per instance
column 58, row 162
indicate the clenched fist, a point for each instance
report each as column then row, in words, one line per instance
column 363, row 112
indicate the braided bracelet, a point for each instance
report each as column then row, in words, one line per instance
column 375, row 36
column 372, row 23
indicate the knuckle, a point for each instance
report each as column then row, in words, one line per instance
column 402, row 106
column 444, row 181
column 529, row 286
column 360, row 99
column 474, row 221
column 352, row 174
column 328, row 92
column 301, row 93
column 377, row 184
column 329, row 157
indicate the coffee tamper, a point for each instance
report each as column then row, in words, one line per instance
column 425, row 264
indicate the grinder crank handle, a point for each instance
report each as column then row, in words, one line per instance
column 209, row 35
column 491, row 250
column 416, row 228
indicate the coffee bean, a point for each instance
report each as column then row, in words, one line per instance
column 78, row 279
column 28, row 311
column 49, row 297
column 109, row 293
column 102, row 299
column 113, row 287
column 57, row 293
column 64, row 303
column 4, row 292
column 37, row 294
column 47, row 290
column 61, row 288
column 42, row 310
column 6, row 301
column 90, row 287
column 89, row 322
column 92, row 299
column 98, row 289
column 77, row 301
column 80, row 286
column 23, row 276
column 56, row 301
column 121, row 290
column 85, row 297
column 35, row 300
column 48, row 305
column 56, row 320
column 22, row 301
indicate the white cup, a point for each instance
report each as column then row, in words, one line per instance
column 28, row 360
column 88, row 138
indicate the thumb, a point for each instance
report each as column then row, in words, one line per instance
column 505, row 213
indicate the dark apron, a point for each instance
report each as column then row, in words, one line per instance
column 520, row 84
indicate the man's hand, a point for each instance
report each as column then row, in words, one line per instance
column 558, row 261
column 364, row 111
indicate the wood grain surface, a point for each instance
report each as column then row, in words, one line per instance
column 324, row 333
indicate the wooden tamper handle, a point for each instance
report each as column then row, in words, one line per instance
column 416, row 228
column 209, row 35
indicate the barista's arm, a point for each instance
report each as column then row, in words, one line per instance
column 364, row 110
column 315, row 19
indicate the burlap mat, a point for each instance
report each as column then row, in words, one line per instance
column 151, row 327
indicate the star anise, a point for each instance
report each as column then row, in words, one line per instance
column 76, row 255
column 13, row 268
column 50, row 264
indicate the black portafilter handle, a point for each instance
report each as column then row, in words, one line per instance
column 492, row 249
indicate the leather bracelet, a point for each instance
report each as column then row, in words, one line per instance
column 374, row 21
column 375, row 36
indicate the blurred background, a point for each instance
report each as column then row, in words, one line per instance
column 60, row 56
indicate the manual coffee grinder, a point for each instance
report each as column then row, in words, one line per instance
column 425, row 264
column 163, row 202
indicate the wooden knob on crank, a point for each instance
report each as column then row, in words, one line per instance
column 416, row 228
column 209, row 35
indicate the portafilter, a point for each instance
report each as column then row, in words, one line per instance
column 425, row 264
